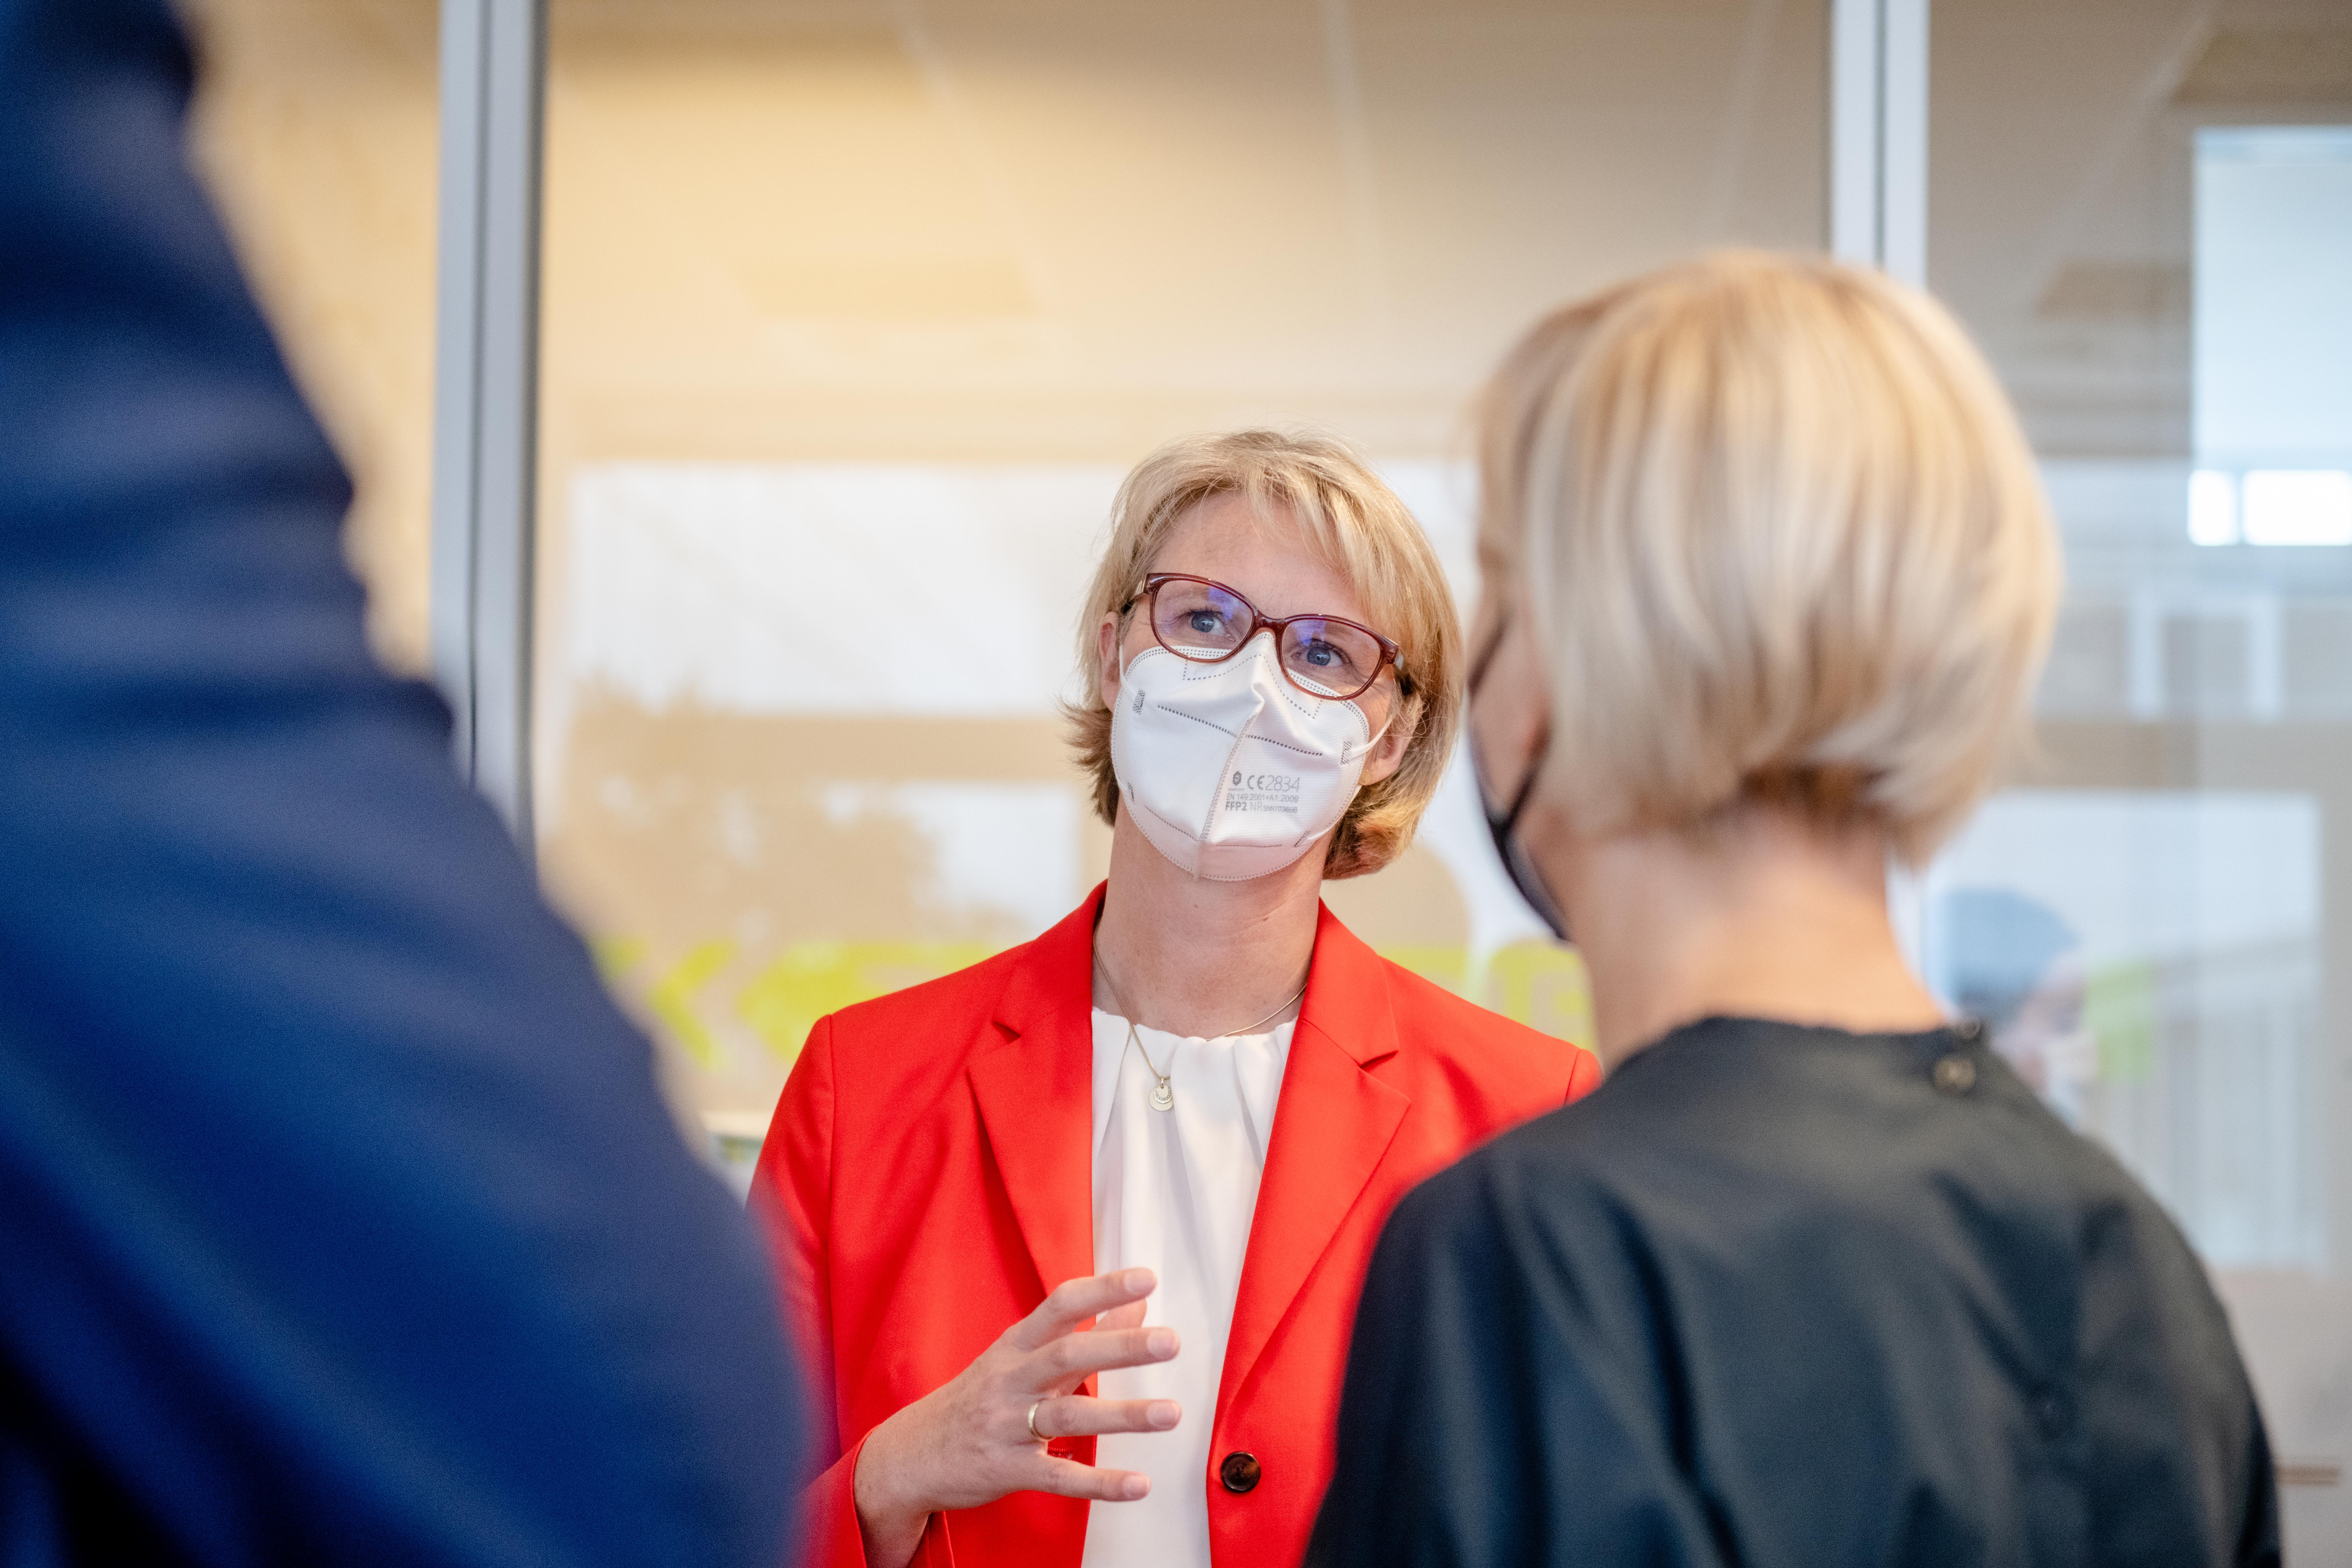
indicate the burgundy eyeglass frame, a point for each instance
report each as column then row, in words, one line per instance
column 1392, row 657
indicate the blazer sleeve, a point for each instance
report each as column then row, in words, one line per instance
column 344, row 1219
column 792, row 1196
column 791, row 1192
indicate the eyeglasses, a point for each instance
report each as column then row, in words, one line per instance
column 1208, row 622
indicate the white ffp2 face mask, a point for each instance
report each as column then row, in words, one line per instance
column 1230, row 770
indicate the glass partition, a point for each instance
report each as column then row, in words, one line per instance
column 2144, row 214
column 852, row 305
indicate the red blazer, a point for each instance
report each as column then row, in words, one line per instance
column 928, row 1179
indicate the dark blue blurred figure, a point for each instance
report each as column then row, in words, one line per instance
column 339, row 1218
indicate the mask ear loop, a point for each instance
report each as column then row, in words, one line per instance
column 1503, row 827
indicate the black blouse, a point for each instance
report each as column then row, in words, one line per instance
column 1794, row 1298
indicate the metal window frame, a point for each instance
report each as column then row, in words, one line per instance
column 486, row 390
column 1879, row 135
column 1878, row 216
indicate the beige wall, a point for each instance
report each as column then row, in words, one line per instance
column 314, row 130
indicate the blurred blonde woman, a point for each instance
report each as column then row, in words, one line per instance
column 1075, row 1236
column 1812, row 1279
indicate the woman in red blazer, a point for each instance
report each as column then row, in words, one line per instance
column 1111, row 1194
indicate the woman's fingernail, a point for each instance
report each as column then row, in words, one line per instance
column 1138, row 1280
column 1136, row 1487
column 1166, row 1414
column 1160, row 1341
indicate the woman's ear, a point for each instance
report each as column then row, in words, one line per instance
column 1107, row 660
column 1387, row 754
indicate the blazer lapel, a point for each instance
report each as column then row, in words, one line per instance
column 1331, row 1126
column 1036, row 1091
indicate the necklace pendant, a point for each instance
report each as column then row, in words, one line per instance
column 1162, row 1097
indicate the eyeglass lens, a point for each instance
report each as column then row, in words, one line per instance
column 1201, row 622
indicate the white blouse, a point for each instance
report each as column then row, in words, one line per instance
column 1174, row 1191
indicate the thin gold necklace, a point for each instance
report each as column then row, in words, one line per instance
column 1163, row 1093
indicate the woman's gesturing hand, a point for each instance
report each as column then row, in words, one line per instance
column 968, row 1441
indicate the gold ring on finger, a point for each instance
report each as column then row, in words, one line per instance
column 1032, row 1422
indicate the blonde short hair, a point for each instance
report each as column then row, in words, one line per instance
column 1783, row 540
column 1359, row 528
